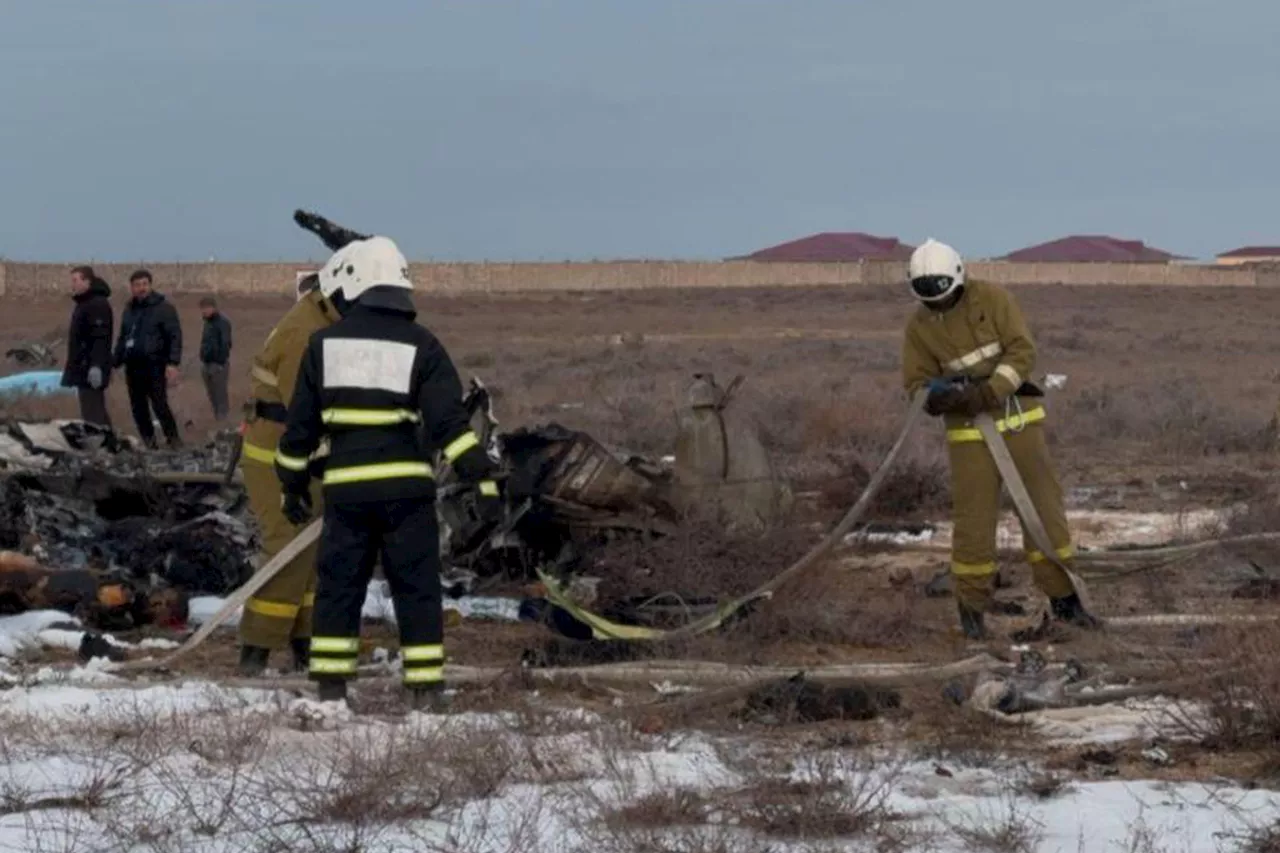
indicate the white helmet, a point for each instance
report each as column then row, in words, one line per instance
column 935, row 271
column 362, row 264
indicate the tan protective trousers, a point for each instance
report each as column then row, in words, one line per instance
column 282, row 608
column 975, row 496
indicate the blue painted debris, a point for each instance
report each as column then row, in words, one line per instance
column 38, row 382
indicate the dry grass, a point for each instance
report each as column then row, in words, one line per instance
column 1003, row 826
column 1263, row 839
column 140, row 778
column 1239, row 704
column 821, row 397
column 834, row 797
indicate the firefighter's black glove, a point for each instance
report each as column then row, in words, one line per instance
column 978, row 398
column 485, row 512
column 966, row 400
column 943, row 400
column 489, row 505
column 296, row 507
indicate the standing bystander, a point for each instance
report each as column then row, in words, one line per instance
column 215, row 356
column 150, row 349
column 88, row 367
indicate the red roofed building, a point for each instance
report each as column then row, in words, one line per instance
column 835, row 246
column 1085, row 249
column 1251, row 255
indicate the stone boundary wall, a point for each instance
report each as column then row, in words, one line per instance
column 36, row 280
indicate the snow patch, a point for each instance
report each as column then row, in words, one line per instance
column 23, row 630
column 524, row 810
column 379, row 607
column 1091, row 529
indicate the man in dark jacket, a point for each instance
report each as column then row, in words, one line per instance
column 88, row 367
column 215, row 355
column 150, row 350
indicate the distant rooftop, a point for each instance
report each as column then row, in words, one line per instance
column 835, row 246
column 1253, row 252
column 1086, row 248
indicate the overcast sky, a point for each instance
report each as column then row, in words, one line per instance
column 586, row 129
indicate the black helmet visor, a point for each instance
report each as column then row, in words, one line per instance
column 931, row 286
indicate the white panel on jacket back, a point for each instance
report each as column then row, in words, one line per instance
column 367, row 363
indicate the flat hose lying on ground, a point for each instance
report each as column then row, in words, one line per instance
column 690, row 673
column 1172, row 551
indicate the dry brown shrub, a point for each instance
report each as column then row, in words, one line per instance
column 1182, row 418
column 829, row 607
column 918, row 483
column 661, row 810
column 1239, row 700
column 1004, row 825
column 840, row 797
column 703, row 559
column 821, row 809
column 1260, row 839
column 956, row 735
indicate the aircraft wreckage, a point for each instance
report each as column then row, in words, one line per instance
column 122, row 539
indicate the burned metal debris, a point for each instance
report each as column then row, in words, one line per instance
column 74, row 498
column 563, row 489
column 35, row 354
column 567, row 494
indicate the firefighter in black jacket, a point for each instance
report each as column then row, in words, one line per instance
column 386, row 395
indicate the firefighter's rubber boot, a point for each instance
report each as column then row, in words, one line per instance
column 1069, row 609
column 253, row 661
column 301, row 648
column 332, row 690
column 429, row 700
column 971, row 623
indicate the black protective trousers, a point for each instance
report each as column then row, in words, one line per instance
column 149, row 390
column 404, row 533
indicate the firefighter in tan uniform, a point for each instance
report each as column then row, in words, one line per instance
column 280, row 613
column 969, row 345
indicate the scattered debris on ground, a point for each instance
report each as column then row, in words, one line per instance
column 95, row 527
column 35, row 354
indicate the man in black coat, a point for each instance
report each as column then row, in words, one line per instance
column 88, row 367
column 150, row 349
